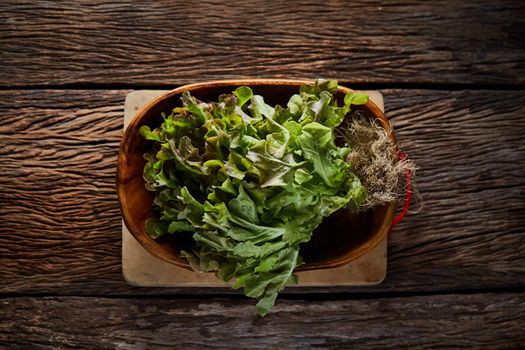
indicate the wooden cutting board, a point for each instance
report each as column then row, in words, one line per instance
column 143, row 269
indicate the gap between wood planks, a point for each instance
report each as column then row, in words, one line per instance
column 286, row 295
column 354, row 85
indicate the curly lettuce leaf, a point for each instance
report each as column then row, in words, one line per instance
column 250, row 182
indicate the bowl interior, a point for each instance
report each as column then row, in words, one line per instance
column 341, row 237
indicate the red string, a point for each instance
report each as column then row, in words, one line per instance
column 408, row 186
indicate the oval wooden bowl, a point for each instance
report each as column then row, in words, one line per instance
column 341, row 238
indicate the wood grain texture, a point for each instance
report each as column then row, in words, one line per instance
column 61, row 223
column 471, row 152
column 174, row 42
column 493, row 321
column 58, row 152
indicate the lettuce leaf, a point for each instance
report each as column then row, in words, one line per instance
column 250, row 182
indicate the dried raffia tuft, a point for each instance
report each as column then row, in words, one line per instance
column 374, row 161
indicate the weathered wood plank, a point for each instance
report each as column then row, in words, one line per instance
column 471, row 151
column 492, row 321
column 174, row 42
column 61, row 223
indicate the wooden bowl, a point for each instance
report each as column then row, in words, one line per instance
column 341, row 238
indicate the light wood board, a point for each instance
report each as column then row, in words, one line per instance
column 140, row 268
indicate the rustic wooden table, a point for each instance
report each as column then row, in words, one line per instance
column 453, row 77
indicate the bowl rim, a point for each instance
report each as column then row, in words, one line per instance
column 131, row 131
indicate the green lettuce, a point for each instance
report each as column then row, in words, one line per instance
column 250, row 182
